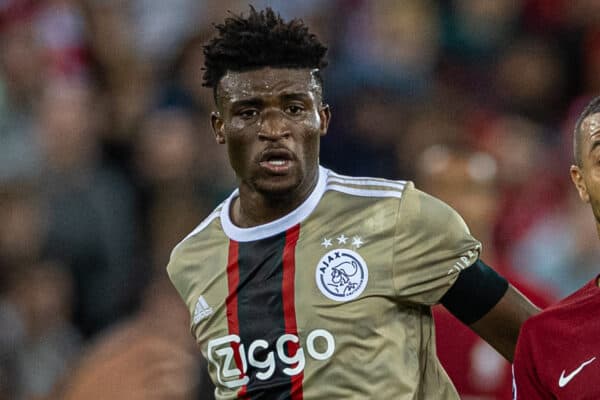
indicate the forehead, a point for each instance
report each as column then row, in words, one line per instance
column 267, row 81
column 590, row 127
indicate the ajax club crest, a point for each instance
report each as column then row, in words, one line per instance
column 342, row 274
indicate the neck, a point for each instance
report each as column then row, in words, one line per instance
column 254, row 208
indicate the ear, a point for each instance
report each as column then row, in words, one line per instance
column 325, row 114
column 577, row 178
column 218, row 127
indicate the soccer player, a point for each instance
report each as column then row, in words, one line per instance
column 558, row 354
column 307, row 284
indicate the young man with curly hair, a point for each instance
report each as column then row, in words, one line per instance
column 307, row 284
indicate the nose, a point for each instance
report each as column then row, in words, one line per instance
column 273, row 126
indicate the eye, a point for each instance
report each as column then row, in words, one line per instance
column 294, row 109
column 248, row 113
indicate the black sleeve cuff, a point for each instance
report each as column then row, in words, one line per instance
column 476, row 291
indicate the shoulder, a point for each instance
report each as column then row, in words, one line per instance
column 429, row 215
column 366, row 186
column 416, row 209
column 570, row 312
column 200, row 232
column 343, row 196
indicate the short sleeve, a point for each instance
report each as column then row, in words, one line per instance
column 432, row 244
column 178, row 272
column 526, row 384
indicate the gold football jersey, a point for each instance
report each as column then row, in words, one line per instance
column 331, row 301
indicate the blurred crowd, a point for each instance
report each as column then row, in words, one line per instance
column 107, row 160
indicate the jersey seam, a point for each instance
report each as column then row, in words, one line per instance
column 396, row 232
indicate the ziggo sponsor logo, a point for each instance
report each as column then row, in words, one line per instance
column 221, row 354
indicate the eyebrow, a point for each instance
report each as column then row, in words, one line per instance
column 595, row 143
column 255, row 101
column 296, row 95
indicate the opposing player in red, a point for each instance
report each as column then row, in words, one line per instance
column 558, row 353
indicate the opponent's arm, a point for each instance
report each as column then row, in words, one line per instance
column 492, row 308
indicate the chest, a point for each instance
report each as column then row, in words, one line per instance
column 570, row 369
column 302, row 278
column 295, row 299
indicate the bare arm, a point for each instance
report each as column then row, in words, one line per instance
column 501, row 325
column 490, row 306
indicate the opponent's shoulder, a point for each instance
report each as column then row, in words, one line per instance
column 573, row 310
column 538, row 333
column 366, row 186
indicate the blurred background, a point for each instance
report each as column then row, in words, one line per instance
column 107, row 160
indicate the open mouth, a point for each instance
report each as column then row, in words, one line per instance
column 277, row 163
column 276, row 160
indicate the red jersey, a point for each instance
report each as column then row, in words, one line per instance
column 476, row 369
column 558, row 352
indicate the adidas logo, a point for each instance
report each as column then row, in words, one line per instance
column 202, row 310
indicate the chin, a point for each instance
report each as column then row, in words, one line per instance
column 278, row 186
column 277, row 190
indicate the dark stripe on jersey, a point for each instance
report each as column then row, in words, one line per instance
column 289, row 307
column 233, row 279
column 263, row 289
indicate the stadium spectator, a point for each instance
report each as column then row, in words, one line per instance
column 37, row 338
column 21, row 82
column 90, row 216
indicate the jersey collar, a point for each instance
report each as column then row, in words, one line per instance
column 279, row 225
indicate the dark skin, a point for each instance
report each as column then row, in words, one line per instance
column 271, row 120
column 586, row 176
column 501, row 325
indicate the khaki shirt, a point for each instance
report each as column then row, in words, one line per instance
column 331, row 301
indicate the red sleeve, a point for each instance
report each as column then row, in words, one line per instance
column 526, row 382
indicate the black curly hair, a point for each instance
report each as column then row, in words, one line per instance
column 262, row 39
column 592, row 107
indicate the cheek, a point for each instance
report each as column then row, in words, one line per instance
column 593, row 189
column 239, row 149
column 310, row 127
column 592, row 182
column 237, row 125
column 313, row 123
column 595, row 202
column 594, row 176
column 310, row 140
column 239, row 133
